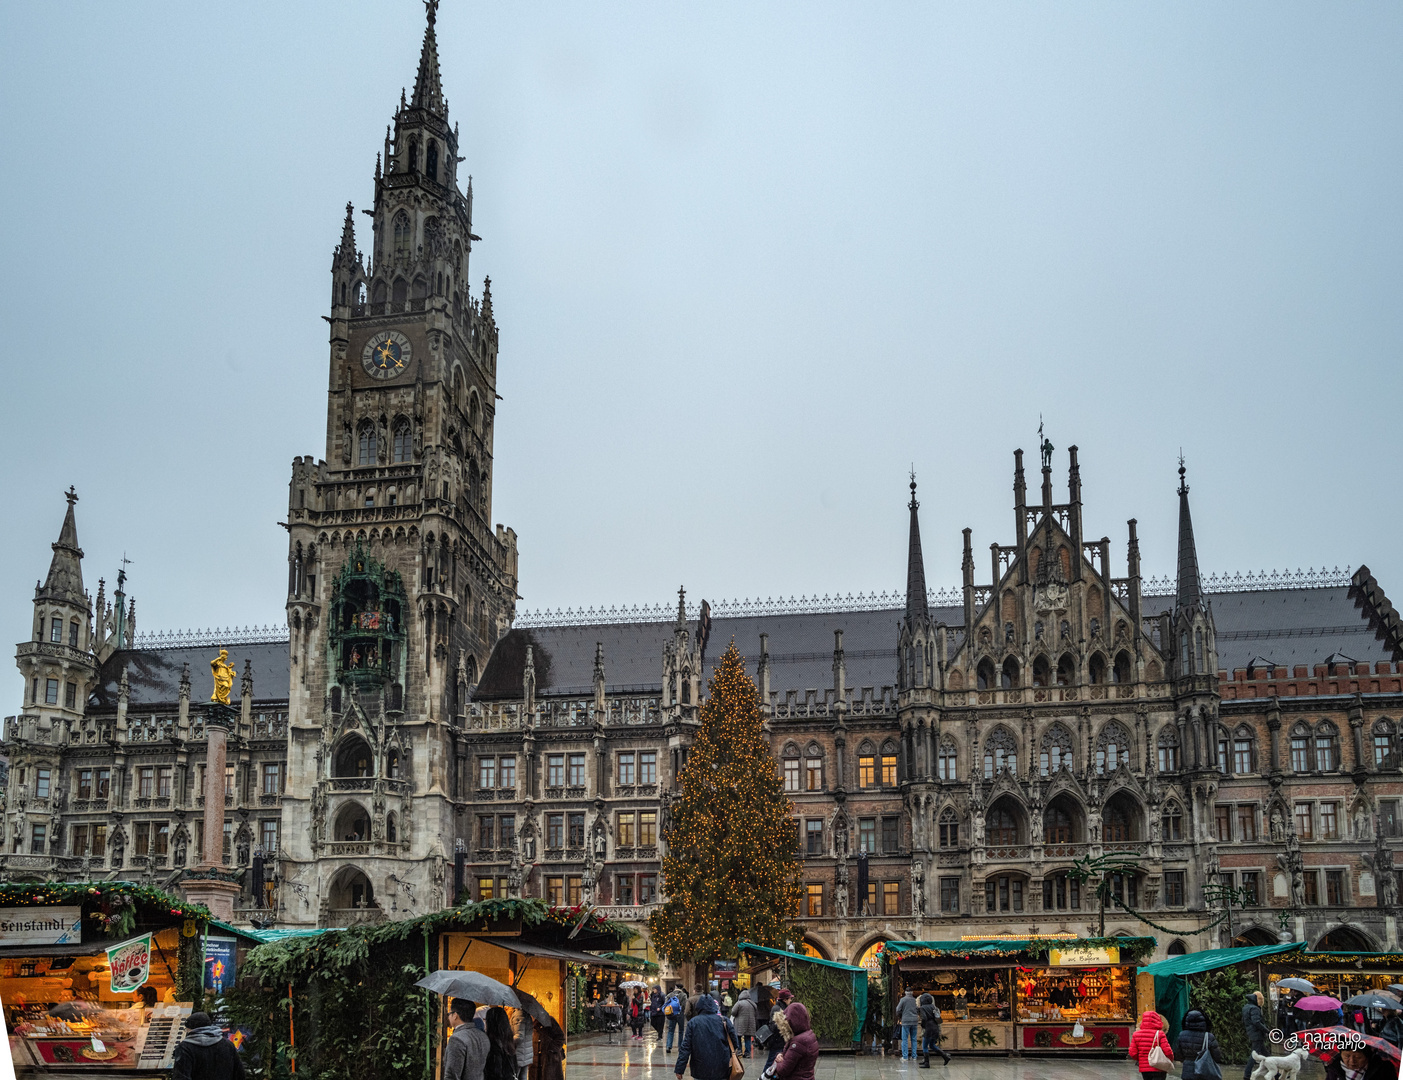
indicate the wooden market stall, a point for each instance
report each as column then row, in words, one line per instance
column 97, row 976
column 835, row 994
column 1340, row 975
column 1165, row 985
column 1025, row 995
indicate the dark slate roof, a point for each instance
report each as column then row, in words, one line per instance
column 1286, row 626
column 153, row 675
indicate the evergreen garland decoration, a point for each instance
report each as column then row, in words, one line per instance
column 114, row 905
column 731, row 872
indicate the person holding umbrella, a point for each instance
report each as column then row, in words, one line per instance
column 465, row 1057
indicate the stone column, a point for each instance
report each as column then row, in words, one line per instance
column 210, row 884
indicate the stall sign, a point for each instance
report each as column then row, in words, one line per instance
column 219, row 963
column 1083, row 956
column 41, row 926
column 130, row 963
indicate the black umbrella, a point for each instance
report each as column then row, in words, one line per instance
column 1375, row 999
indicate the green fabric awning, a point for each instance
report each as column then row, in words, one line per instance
column 1213, row 959
column 857, row 975
column 1001, row 946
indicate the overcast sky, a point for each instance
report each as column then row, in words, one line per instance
column 750, row 264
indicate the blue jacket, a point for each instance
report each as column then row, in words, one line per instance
column 704, row 1042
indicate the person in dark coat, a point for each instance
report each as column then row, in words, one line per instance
column 1392, row 1027
column 1254, row 1024
column 465, row 1056
column 1362, row 1064
column 800, row 1054
column 707, row 1043
column 1190, row 1043
column 779, row 1026
column 655, row 1010
column 501, row 1053
column 205, row 1054
column 930, row 1031
column 743, row 1019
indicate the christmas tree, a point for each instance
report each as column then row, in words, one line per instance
column 732, row 870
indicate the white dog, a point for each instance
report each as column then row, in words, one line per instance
column 1286, row 1067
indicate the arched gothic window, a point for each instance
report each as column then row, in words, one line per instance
column 984, row 675
column 1000, row 753
column 1198, row 651
column 1117, row 827
column 1300, row 748
column 403, row 238
column 1384, row 756
column 1096, row 669
column 1244, row 751
column 1168, row 747
column 947, row 759
column 1066, row 671
column 1121, row 670
column 1327, row 747
column 1008, row 678
column 1112, row 748
column 368, row 449
column 431, row 168
column 1056, row 750
column 1057, row 826
column 1002, row 827
column 949, row 828
column 404, row 443
column 1171, row 823
column 1042, row 670
column 414, row 155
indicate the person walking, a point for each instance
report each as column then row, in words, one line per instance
column 465, row 1056
column 930, row 1031
column 675, row 1012
column 781, row 1032
column 638, row 1013
column 800, row 1054
column 908, row 1015
column 707, row 1043
column 743, row 1020
column 1191, row 1042
column 501, row 1046
column 525, row 1044
column 655, row 1011
column 1146, row 1037
column 205, row 1054
column 1254, row 1026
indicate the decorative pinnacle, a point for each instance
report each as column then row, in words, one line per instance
column 913, row 504
column 71, row 495
column 431, row 9
column 1183, row 487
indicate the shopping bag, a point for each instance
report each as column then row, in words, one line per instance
column 1077, row 1030
column 1160, row 1060
column 1205, row 1068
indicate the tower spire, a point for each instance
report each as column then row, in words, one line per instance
column 1189, row 593
column 65, row 579
column 916, row 603
column 428, row 88
column 346, row 251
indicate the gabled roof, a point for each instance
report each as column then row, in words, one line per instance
column 153, row 675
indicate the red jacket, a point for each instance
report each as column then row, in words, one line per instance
column 1149, row 1034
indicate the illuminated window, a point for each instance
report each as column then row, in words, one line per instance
column 555, row 891
column 889, row 770
column 573, row 888
column 866, row 771
column 891, row 898
column 814, row 773
column 485, row 888
column 647, row 828
column 626, row 829
column 815, row 893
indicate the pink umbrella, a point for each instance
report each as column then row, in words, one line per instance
column 1317, row 1003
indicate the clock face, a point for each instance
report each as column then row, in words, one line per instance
column 386, row 354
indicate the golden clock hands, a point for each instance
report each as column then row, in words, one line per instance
column 386, row 351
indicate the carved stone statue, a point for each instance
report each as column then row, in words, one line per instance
column 319, row 812
column 514, row 876
column 840, row 900
column 1278, row 826
column 587, row 886
column 179, row 854
column 1046, row 449
column 918, row 887
column 1361, row 823
column 223, row 673
column 979, row 828
column 1290, row 861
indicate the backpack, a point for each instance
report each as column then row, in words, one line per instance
column 673, row 1006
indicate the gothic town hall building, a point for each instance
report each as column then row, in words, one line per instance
column 410, row 736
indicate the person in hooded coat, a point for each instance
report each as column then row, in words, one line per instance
column 655, row 1010
column 1254, row 1025
column 782, row 1031
column 930, row 1032
column 743, row 1019
column 205, row 1054
column 1190, row 1044
column 800, row 1054
column 1148, row 1035
column 707, row 1043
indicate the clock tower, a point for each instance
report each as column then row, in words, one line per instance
column 398, row 584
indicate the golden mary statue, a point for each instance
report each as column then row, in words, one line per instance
column 223, row 672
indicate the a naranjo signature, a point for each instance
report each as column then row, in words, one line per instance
column 1318, row 1040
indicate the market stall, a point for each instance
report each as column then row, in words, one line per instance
column 1336, row 974
column 835, row 994
column 1030, row 995
column 97, row 976
column 1166, row 983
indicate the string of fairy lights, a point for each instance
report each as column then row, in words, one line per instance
column 731, row 871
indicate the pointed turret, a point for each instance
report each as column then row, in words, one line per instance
column 916, row 602
column 1189, row 594
column 487, row 299
column 65, row 580
column 428, row 88
column 346, row 250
